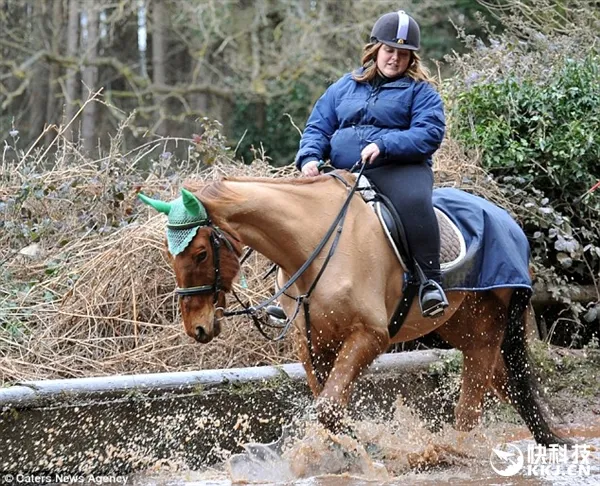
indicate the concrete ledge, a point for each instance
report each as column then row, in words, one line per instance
column 52, row 392
column 120, row 424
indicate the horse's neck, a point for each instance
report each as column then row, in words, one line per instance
column 284, row 222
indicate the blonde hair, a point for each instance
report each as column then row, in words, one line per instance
column 415, row 69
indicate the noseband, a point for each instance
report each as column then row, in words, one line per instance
column 217, row 237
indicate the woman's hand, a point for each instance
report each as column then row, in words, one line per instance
column 370, row 153
column 310, row 169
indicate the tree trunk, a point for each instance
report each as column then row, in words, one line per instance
column 38, row 89
column 56, row 27
column 199, row 101
column 159, row 53
column 90, row 77
column 257, row 82
column 72, row 83
column 142, row 33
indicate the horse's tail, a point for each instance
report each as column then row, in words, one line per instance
column 523, row 389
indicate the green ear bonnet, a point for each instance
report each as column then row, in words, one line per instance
column 186, row 214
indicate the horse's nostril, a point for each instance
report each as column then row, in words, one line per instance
column 200, row 333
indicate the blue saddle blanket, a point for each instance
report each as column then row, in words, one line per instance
column 497, row 250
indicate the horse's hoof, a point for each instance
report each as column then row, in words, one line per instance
column 330, row 414
column 375, row 451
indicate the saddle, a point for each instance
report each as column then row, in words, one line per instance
column 453, row 246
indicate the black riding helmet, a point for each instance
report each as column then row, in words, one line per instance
column 397, row 29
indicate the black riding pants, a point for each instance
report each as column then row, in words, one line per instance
column 409, row 187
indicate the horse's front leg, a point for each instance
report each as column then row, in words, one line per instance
column 356, row 353
column 317, row 369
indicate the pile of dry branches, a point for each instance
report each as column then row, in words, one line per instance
column 86, row 288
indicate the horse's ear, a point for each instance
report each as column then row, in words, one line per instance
column 191, row 202
column 161, row 206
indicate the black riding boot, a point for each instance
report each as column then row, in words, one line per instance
column 432, row 299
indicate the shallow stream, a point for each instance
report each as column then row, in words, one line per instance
column 403, row 451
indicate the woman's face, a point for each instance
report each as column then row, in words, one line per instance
column 392, row 62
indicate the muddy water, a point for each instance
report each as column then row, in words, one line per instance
column 401, row 451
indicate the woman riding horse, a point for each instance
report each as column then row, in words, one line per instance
column 389, row 115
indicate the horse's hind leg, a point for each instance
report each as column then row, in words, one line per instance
column 500, row 380
column 476, row 330
column 520, row 386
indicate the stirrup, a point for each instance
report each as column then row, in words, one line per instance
column 437, row 309
column 276, row 312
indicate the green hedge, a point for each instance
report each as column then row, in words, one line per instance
column 530, row 113
column 547, row 130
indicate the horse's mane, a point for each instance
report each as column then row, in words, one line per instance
column 295, row 181
column 217, row 192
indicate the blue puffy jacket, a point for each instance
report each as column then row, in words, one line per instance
column 404, row 117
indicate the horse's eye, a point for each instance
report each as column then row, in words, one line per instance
column 200, row 257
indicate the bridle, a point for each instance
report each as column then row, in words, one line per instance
column 217, row 237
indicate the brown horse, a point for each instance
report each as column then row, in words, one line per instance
column 353, row 302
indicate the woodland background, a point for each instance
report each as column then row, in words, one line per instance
column 101, row 98
column 251, row 64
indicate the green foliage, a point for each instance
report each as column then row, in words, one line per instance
column 526, row 105
column 572, row 371
column 439, row 21
column 450, row 364
column 544, row 129
column 271, row 125
column 533, row 114
column 561, row 251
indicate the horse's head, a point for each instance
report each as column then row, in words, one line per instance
column 205, row 260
